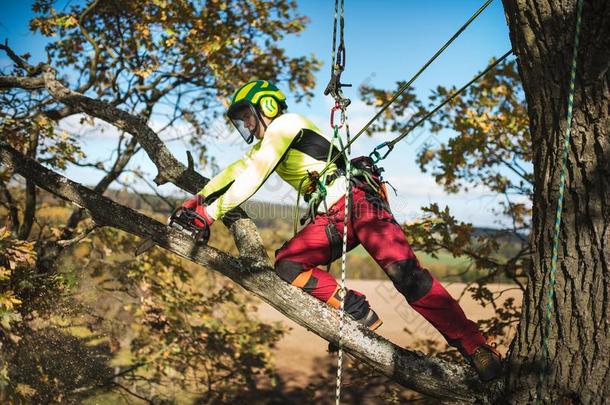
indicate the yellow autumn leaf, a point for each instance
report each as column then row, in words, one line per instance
column 67, row 21
column 4, row 233
column 4, row 273
column 25, row 390
column 8, row 301
column 143, row 73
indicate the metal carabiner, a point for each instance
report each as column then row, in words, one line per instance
column 338, row 106
column 376, row 156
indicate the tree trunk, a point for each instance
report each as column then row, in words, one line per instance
column 542, row 34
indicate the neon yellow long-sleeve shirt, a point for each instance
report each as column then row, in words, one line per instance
column 292, row 146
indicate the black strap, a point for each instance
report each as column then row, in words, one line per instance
column 317, row 146
column 335, row 241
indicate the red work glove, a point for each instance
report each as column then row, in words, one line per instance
column 196, row 203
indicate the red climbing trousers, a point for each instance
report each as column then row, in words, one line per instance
column 373, row 225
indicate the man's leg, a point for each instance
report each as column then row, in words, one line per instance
column 297, row 260
column 379, row 233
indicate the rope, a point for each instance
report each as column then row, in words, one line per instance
column 334, row 88
column 343, row 293
column 390, row 144
column 334, row 50
column 562, row 180
column 419, row 72
column 338, row 59
column 341, row 103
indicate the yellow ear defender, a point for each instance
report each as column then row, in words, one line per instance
column 269, row 106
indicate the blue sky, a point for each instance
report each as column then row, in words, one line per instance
column 386, row 41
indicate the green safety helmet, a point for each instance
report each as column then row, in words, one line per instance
column 260, row 97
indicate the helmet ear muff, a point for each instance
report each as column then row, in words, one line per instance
column 269, row 107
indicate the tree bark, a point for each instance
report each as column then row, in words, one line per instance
column 542, row 34
column 29, row 211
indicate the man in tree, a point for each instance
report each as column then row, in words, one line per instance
column 295, row 148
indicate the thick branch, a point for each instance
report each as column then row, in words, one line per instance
column 27, row 83
column 429, row 375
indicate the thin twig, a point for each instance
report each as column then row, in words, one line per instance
column 70, row 242
column 16, row 58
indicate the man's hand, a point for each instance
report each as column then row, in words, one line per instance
column 196, row 203
column 192, row 219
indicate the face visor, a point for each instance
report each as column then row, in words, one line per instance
column 244, row 117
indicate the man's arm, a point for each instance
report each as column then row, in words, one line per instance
column 275, row 144
column 220, row 183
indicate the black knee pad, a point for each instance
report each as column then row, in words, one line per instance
column 288, row 270
column 410, row 279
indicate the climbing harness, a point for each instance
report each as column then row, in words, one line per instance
column 315, row 190
column 562, row 180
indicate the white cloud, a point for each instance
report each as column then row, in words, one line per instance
column 98, row 129
column 422, row 185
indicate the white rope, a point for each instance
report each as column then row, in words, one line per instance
column 343, row 292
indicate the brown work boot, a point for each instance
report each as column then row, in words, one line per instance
column 487, row 361
column 370, row 320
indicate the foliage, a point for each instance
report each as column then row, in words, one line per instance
column 491, row 148
column 154, row 327
column 179, row 60
column 173, row 63
column 16, row 258
column 54, row 147
column 157, row 321
column 188, row 332
column 26, row 296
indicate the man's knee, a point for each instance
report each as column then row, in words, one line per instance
column 287, row 270
column 410, row 279
column 296, row 274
